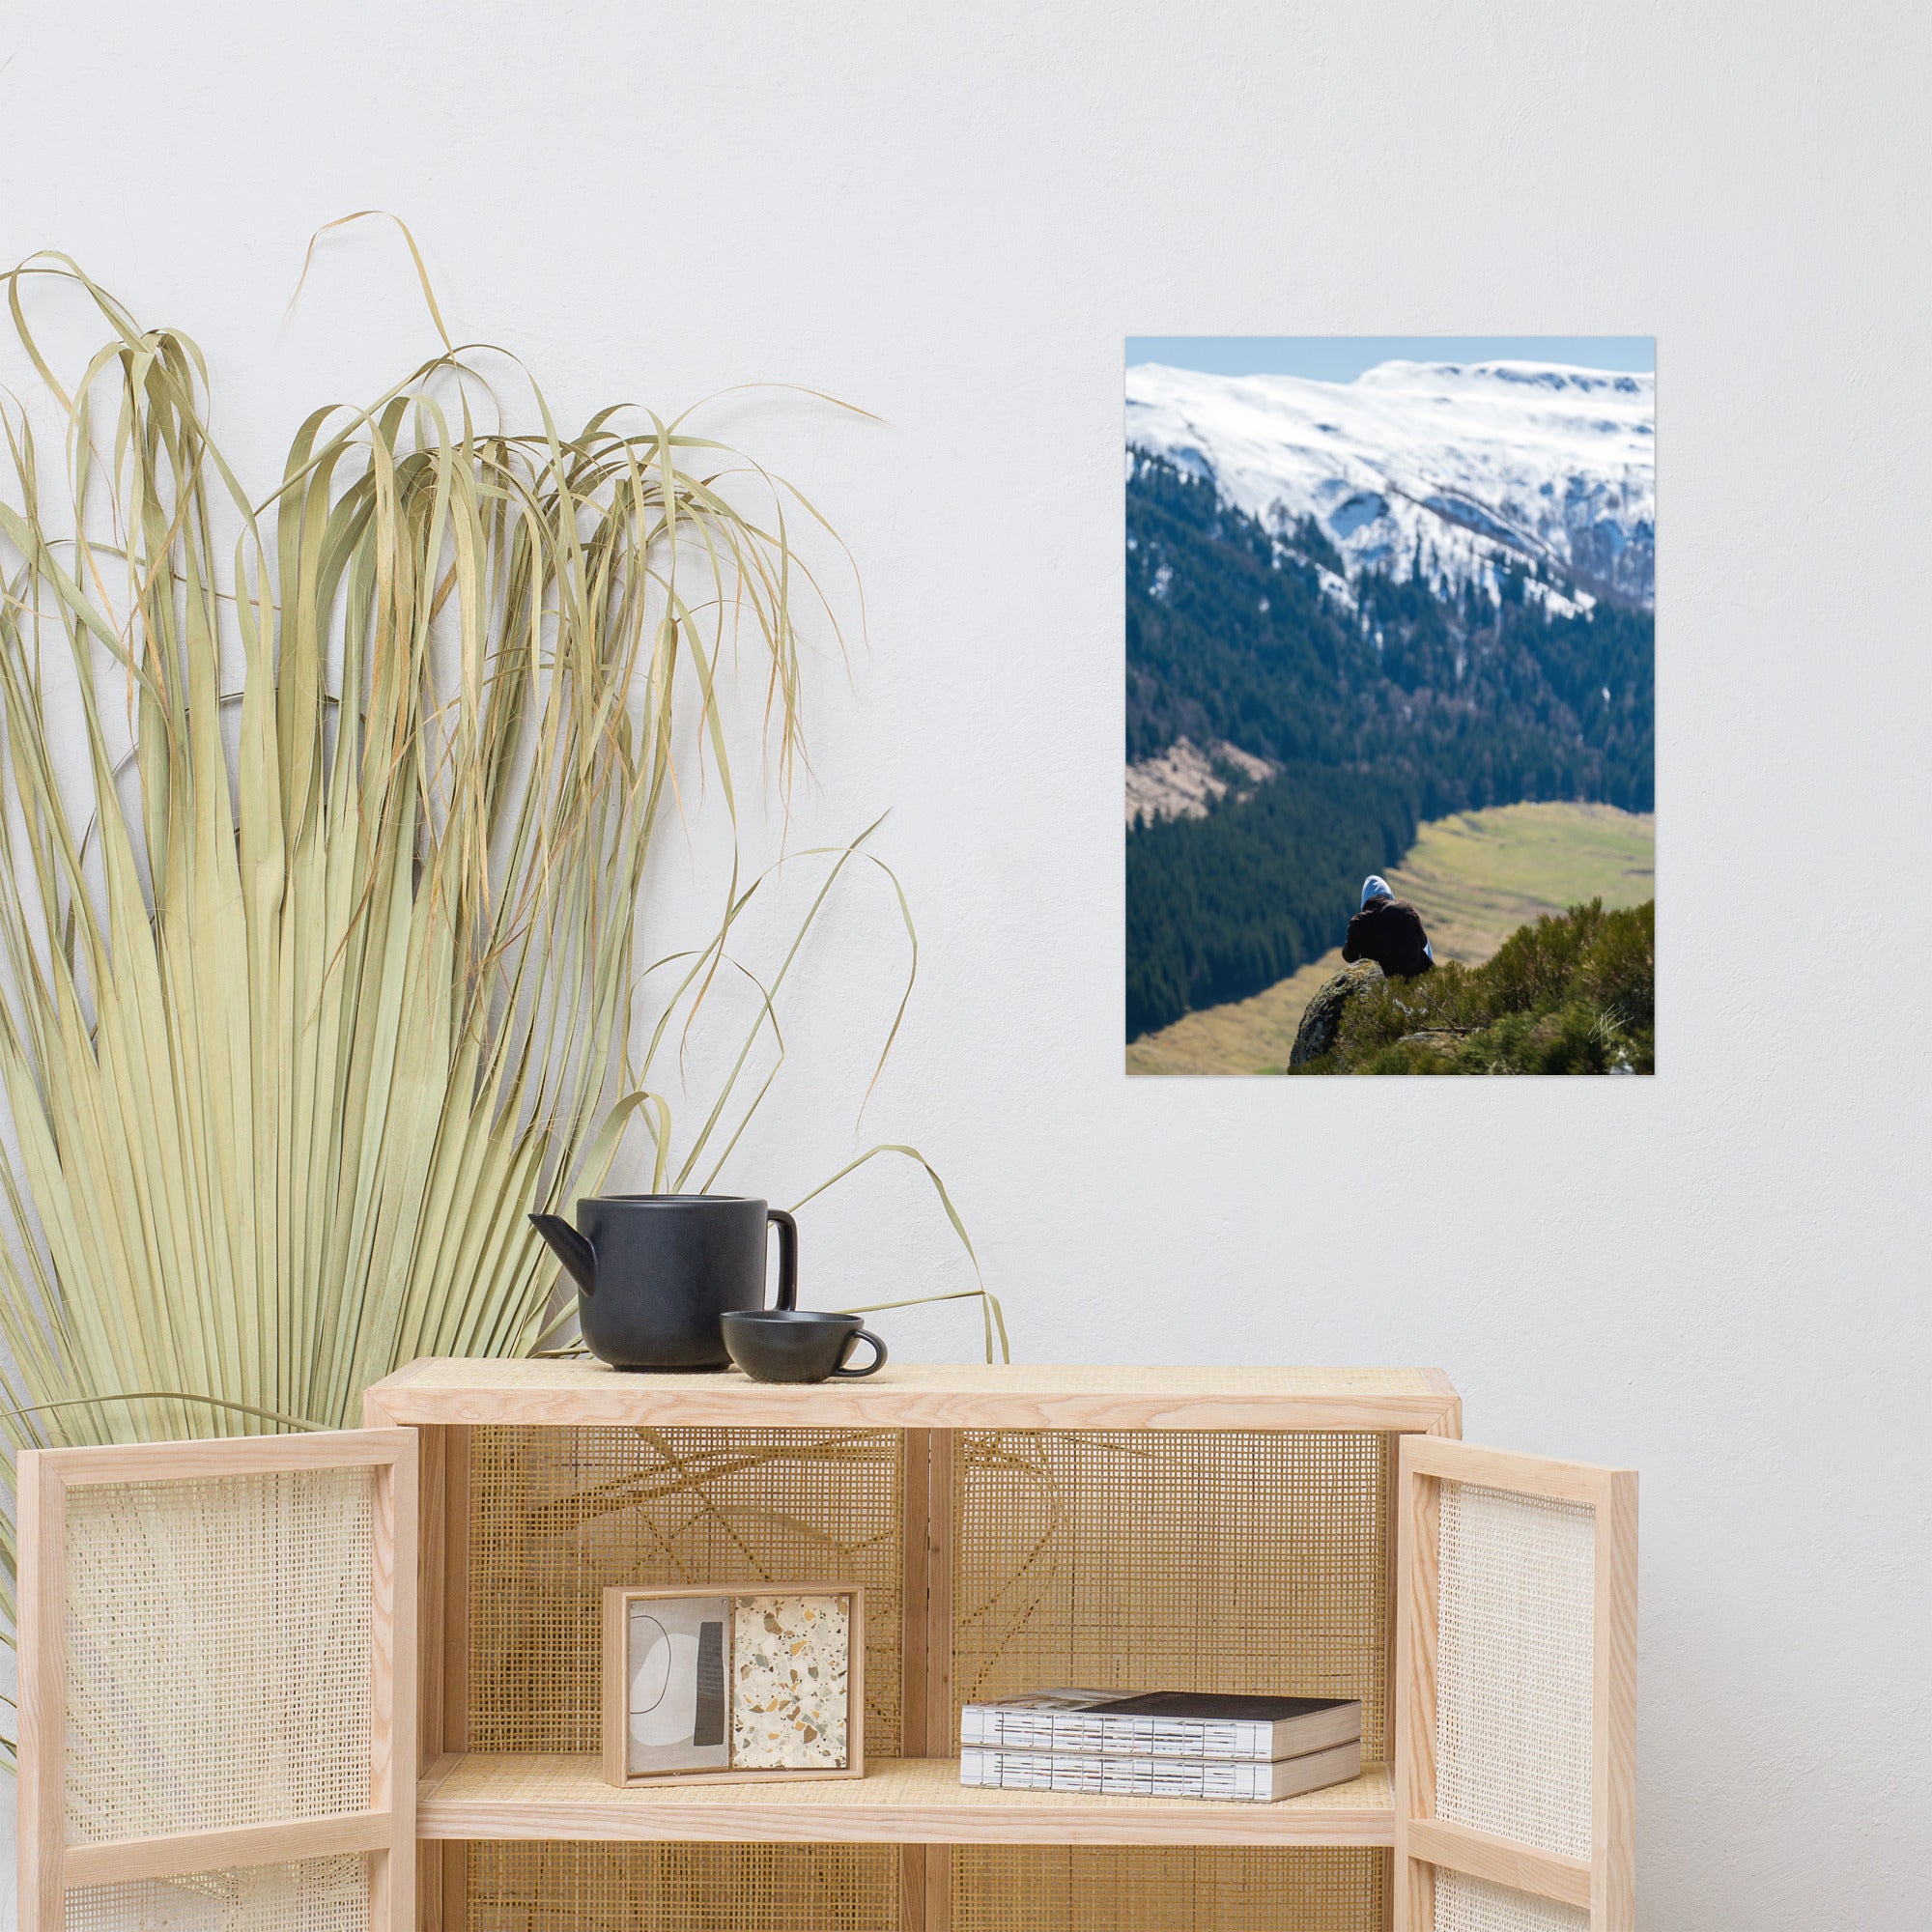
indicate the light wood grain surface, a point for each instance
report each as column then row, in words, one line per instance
column 41, row 1640
column 900, row 1800
column 1500, row 1860
column 1614, row 1767
column 179, row 1851
column 938, row 1395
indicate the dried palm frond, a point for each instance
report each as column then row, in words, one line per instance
column 318, row 974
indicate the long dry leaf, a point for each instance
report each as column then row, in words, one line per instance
column 317, row 967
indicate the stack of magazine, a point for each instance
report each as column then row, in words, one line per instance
column 1163, row 1744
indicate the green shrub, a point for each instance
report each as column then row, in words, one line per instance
column 1571, row 994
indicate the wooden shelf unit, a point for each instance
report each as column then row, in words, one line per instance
column 1314, row 1529
column 914, row 1800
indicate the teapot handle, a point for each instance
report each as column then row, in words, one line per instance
column 787, row 1257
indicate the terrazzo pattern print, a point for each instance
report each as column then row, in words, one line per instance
column 790, row 1658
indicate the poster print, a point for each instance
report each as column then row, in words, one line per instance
column 1390, row 761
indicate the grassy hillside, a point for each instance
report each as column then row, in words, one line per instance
column 1477, row 877
column 1571, row 994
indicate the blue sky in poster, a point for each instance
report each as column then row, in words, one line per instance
column 1341, row 359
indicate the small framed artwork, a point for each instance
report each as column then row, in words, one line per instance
column 750, row 1684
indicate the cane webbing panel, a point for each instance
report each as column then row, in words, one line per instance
column 1241, row 1561
column 1514, row 1666
column 559, row 1514
column 538, row 1886
column 1137, row 1888
column 218, row 1653
column 1464, row 1904
column 313, row 1895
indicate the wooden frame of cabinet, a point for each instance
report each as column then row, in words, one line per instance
column 384, row 1829
column 1603, row 1886
column 915, row 1801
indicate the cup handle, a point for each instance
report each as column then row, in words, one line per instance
column 787, row 1257
column 872, row 1367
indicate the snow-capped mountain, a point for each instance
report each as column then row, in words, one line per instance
column 1448, row 466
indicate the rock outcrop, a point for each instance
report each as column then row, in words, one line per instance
column 1322, row 1020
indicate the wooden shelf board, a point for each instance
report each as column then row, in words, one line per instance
column 898, row 1801
column 922, row 1396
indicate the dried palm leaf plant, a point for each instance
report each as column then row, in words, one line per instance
column 317, row 964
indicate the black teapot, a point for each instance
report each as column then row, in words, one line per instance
column 655, row 1272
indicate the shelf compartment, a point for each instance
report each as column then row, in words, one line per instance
column 1160, row 1888
column 898, row 1801
column 1204, row 1560
column 557, row 1516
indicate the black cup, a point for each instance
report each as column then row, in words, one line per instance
column 789, row 1345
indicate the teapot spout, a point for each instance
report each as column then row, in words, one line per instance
column 569, row 1248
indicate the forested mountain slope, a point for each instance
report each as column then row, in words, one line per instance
column 1385, row 697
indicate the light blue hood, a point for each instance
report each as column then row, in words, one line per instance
column 1376, row 887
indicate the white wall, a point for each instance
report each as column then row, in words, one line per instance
column 953, row 217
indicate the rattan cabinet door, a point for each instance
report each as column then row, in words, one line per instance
column 217, row 1685
column 1515, row 1692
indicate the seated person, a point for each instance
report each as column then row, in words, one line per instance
column 1389, row 931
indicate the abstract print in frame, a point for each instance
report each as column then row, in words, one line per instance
column 1390, row 718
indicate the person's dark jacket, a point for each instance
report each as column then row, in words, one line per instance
column 1389, row 931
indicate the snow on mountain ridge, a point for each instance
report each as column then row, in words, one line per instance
column 1461, row 465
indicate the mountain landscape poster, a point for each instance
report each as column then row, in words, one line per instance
column 1390, row 715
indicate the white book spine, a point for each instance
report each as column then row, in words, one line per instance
column 1116, row 1776
column 994, row 1727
